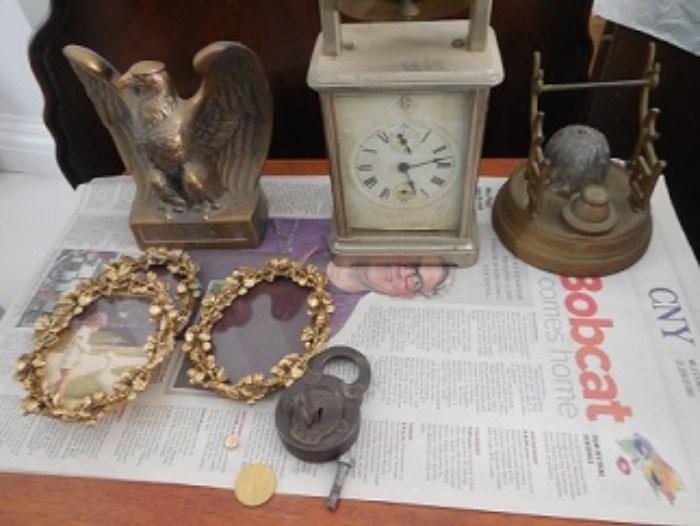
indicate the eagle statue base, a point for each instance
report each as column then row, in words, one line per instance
column 240, row 225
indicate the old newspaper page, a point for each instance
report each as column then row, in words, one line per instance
column 498, row 387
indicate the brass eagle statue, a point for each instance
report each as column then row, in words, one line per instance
column 196, row 162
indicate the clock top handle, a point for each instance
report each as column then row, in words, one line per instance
column 331, row 28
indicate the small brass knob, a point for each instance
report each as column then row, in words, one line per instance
column 590, row 211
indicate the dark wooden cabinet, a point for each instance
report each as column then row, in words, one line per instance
column 282, row 32
column 125, row 31
column 615, row 112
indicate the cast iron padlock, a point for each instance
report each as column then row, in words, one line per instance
column 318, row 418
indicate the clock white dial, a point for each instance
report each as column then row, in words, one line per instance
column 415, row 182
column 405, row 165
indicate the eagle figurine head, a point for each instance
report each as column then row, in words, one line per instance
column 148, row 82
column 146, row 78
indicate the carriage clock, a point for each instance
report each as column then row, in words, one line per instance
column 404, row 99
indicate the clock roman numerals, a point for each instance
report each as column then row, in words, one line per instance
column 370, row 182
column 438, row 181
column 404, row 166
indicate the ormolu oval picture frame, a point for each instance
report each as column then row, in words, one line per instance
column 122, row 278
column 180, row 265
column 252, row 387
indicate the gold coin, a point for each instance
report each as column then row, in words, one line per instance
column 255, row 485
column 231, row 442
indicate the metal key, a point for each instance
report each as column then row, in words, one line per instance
column 345, row 464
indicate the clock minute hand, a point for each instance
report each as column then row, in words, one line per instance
column 436, row 160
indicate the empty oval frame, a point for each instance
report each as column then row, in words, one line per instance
column 237, row 372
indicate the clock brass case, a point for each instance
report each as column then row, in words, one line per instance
column 373, row 78
column 575, row 220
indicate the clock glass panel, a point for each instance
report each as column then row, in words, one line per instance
column 405, row 166
column 402, row 159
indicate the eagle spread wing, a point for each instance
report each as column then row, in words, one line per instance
column 99, row 79
column 232, row 114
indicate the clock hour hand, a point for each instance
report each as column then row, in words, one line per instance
column 404, row 142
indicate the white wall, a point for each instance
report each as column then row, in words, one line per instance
column 19, row 93
column 25, row 144
column 35, row 11
column 36, row 203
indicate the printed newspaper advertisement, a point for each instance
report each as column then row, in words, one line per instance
column 497, row 387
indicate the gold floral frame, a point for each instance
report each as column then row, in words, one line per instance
column 180, row 265
column 119, row 278
column 198, row 339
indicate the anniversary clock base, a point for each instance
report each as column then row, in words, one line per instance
column 547, row 241
column 386, row 250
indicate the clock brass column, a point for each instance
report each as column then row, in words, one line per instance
column 404, row 105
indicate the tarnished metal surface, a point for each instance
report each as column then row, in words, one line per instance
column 318, row 418
column 194, row 161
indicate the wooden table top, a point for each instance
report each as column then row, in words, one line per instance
column 488, row 167
column 29, row 500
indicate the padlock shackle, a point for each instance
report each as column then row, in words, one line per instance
column 344, row 352
column 332, row 29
